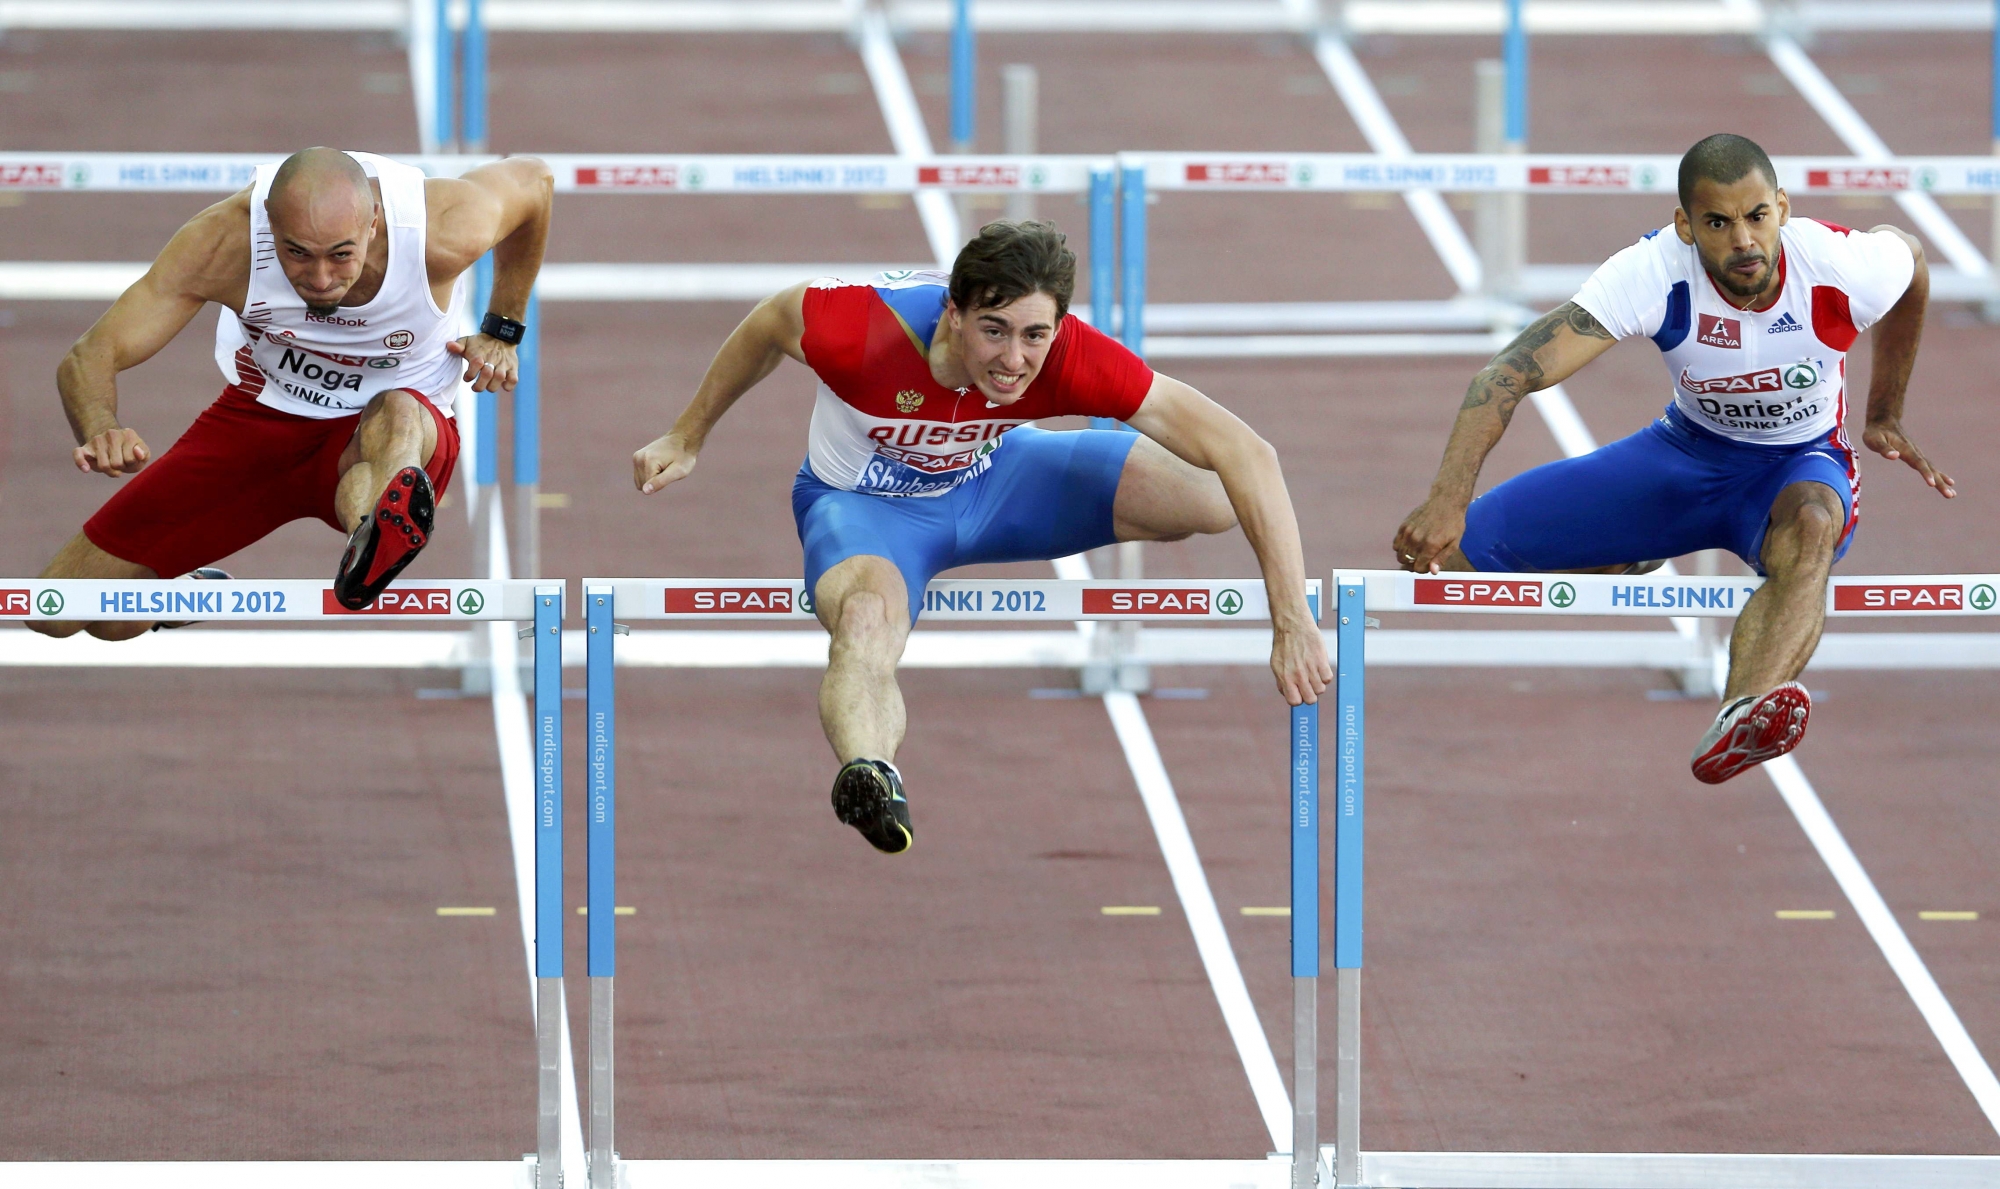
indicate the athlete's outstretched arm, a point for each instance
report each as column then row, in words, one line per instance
column 1209, row 436
column 752, row 351
column 208, row 259
column 503, row 207
column 1549, row 351
column 1896, row 338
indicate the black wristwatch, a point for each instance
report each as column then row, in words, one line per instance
column 499, row 326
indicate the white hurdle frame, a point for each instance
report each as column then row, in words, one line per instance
column 1358, row 592
column 454, row 601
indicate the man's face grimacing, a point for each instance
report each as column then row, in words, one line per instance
column 1003, row 347
column 1735, row 228
column 323, row 245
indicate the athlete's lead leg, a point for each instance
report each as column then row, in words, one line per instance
column 396, row 431
column 1780, row 625
column 865, row 606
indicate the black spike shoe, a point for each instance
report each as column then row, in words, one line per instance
column 868, row 795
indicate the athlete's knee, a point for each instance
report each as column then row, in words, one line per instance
column 867, row 624
column 1815, row 527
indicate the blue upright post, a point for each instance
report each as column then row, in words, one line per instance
column 964, row 79
column 473, row 123
column 1350, row 695
column 601, row 709
column 548, row 882
column 1305, row 817
column 1104, row 261
column 447, row 58
column 528, row 446
column 1516, row 56
column 1132, row 329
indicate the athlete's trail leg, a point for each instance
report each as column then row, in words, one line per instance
column 81, row 559
column 1162, row 498
column 865, row 607
column 396, row 431
column 1780, row 625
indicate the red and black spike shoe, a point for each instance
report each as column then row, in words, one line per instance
column 388, row 541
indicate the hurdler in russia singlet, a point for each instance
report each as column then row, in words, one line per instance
column 300, row 363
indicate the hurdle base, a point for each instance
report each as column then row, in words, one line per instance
column 1116, row 677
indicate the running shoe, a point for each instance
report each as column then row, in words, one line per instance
column 1751, row 730
column 868, row 795
column 388, row 541
column 199, row 574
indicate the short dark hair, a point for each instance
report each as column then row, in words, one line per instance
column 1723, row 158
column 1007, row 261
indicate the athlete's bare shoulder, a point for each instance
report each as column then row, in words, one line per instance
column 209, row 257
column 468, row 215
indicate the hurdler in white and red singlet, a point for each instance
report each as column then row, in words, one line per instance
column 267, row 451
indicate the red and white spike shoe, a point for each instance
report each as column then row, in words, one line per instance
column 1751, row 730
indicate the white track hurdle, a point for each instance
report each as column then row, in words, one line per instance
column 285, row 601
column 1358, row 592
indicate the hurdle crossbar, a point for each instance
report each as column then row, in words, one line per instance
column 287, row 600
column 1896, row 595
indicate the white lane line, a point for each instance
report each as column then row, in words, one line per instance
column 1379, row 128
column 906, row 129
column 1862, row 141
column 1889, row 936
column 517, row 783
column 1211, row 940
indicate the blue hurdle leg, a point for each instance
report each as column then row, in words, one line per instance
column 601, row 713
column 1350, row 691
column 548, row 883
column 1305, row 945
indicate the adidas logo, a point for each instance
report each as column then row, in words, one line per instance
column 1784, row 324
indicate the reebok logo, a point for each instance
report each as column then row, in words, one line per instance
column 1784, row 325
column 1721, row 332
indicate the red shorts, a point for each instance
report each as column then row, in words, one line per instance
column 241, row 470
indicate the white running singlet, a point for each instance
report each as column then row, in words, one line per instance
column 1775, row 377
column 298, row 362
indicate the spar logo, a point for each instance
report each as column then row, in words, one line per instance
column 1900, row 596
column 1721, row 332
column 1859, row 177
column 1562, row 594
column 1006, row 177
column 1582, row 177
column 13, row 602
column 471, row 602
column 32, row 175
column 1238, row 173
column 628, row 177
column 1982, row 597
column 1188, row 600
column 1481, row 592
column 1768, row 380
column 49, row 602
column 425, row 600
column 736, row 600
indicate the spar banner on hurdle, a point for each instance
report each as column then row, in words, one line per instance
column 1543, row 173
column 638, row 173
column 1654, row 594
column 1046, row 599
column 608, row 173
column 286, row 599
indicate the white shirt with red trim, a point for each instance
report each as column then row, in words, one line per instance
column 882, row 423
column 1773, row 377
column 299, row 362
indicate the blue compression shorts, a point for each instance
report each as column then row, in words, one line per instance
column 1671, row 489
column 1047, row 494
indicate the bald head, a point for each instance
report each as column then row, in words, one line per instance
column 322, row 213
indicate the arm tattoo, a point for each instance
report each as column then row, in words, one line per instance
column 1515, row 373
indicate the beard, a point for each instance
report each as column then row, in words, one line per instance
column 322, row 311
column 1731, row 284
